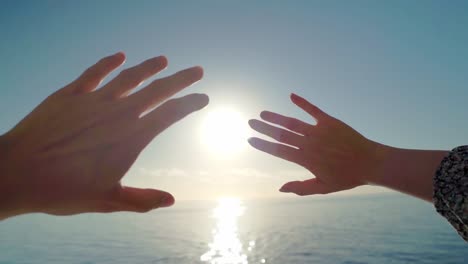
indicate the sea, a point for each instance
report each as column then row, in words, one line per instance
column 377, row 228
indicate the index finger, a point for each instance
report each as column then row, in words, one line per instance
column 311, row 109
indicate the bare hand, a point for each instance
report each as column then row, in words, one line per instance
column 69, row 155
column 338, row 156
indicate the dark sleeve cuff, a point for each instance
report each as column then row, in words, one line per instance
column 451, row 189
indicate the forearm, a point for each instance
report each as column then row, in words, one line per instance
column 407, row 170
column 10, row 200
column 9, row 207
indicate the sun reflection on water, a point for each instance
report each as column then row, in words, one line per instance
column 226, row 247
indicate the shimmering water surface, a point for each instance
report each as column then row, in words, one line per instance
column 385, row 228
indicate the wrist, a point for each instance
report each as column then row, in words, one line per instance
column 409, row 171
column 381, row 157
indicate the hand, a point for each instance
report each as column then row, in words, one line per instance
column 69, row 154
column 338, row 156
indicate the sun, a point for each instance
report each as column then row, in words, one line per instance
column 224, row 132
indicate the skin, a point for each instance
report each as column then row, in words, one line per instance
column 70, row 153
column 341, row 158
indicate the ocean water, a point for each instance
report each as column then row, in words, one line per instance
column 383, row 228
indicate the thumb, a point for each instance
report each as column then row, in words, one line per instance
column 140, row 200
column 307, row 187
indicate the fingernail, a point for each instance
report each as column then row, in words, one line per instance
column 284, row 189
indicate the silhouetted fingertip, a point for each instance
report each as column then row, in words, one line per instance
column 197, row 71
column 160, row 62
column 163, row 59
column 119, row 55
column 285, row 188
column 264, row 114
column 204, row 99
column 196, row 101
column 166, row 201
column 252, row 122
column 294, row 96
column 253, row 141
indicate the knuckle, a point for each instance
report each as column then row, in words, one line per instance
column 91, row 70
column 282, row 137
column 309, row 131
column 130, row 77
column 127, row 73
column 292, row 124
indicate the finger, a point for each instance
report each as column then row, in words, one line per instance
column 161, row 89
column 311, row 109
column 167, row 114
column 132, row 77
column 93, row 76
column 290, row 123
column 307, row 187
column 134, row 200
column 275, row 149
column 277, row 133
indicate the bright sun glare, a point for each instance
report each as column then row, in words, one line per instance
column 224, row 131
column 226, row 246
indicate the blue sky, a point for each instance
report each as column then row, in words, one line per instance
column 394, row 70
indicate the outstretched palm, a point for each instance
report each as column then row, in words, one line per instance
column 69, row 154
column 336, row 154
